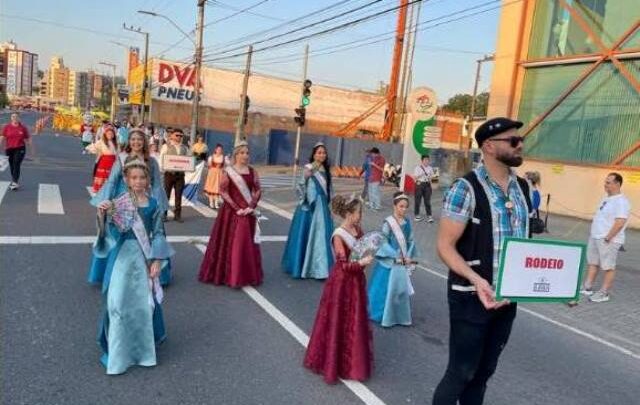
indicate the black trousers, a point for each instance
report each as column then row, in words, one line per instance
column 175, row 180
column 15, row 156
column 423, row 191
column 476, row 340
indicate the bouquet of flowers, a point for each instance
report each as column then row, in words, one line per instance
column 368, row 245
column 123, row 212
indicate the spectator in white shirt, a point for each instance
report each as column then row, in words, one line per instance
column 423, row 174
column 606, row 238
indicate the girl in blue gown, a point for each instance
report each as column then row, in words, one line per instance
column 390, row 287
column 307, row 253
column 137, row 147
column 132, row 323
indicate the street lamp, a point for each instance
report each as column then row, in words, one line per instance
column 198, row 59
column 113, row 88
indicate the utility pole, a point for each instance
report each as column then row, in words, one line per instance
column 243, row 98
column 114, row 94
column 145, row 84
column 472, row 110
column 296, row 159
column 198, row 67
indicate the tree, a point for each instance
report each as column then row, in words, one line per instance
column 461, row 103
column 4, row 100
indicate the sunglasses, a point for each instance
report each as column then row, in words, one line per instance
column 514, row 141
column 179, row 135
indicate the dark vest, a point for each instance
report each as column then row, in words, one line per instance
column 476, row 243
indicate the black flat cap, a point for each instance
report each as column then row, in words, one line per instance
column 493, row 127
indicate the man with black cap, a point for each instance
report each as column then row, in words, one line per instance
column 174, row 180
column 480, row 210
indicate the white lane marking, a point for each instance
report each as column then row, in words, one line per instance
column 570, row 328
column 4, row 186
column 79, row 240
column 275, row 209
column 90, row 191
column 358, row 388
column 538, row 315
column 50, row 200
column 200, row 207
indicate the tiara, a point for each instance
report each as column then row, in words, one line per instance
column 240, row 144
column 401, row 197
column 135, row 162
column 319, row 143
column 353, row 197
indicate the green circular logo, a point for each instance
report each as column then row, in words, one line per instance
column 418, row 135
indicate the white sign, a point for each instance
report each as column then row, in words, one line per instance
column 432, row 137
column 423, row 103
column 178, row 163
column 540, row 270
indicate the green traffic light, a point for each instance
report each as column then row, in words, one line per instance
column 306, row 101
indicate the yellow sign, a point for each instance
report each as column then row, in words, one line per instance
column 633, row 178
column 557, row 169
column 136, row 80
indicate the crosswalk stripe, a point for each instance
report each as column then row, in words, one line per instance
column 80, row 240
column 49, row 199
column 4, row 186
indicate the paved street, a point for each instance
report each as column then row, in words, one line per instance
column 244, row 346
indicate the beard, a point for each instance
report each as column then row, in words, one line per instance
column 510, row 159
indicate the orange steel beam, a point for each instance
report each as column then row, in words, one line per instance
column 353, row 124
column 392, row 91
column 514, row 75
column 626, row 154
column 603, row 48
column 607, row 55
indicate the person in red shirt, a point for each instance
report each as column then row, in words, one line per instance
column 375, row 178
column 16, row 137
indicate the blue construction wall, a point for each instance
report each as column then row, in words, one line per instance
column 278, row 147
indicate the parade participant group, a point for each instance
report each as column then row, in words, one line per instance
column 365, row 282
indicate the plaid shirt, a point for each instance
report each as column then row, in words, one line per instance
column 458, row 206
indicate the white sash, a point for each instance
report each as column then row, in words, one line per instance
column 318, row 176
column 397, row 232
column 402, row 241
column 238, row 180
column 349, row 239
column 155, row 289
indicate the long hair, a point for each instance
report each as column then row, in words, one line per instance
column 106, row 141
column 327, row 167
column 145, row 143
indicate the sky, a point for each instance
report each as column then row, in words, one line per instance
column 83, row 32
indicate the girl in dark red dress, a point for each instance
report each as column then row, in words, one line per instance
column 341, row 343
column 232, row 257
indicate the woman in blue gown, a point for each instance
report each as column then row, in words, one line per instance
column 137, row 147
column 307, row 253
column 132, row 323
column 390, row 287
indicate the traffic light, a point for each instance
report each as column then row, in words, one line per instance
column 300, row 116
column 245, row 113
column 306, row 93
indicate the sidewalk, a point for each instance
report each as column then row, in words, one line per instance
column 617, row 321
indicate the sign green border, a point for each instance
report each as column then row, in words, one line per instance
column 583, row 261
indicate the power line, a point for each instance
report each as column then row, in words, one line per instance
column 323, row 32
column 304, row 28
column 386, row 36
column 244, row 10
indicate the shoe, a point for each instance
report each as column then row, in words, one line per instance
column 12, row 186
column 419, row 218
column 600, row 296
column 586, row 291
column 430, row 219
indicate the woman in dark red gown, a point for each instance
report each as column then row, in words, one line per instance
column 341, row 344
column 233, row 257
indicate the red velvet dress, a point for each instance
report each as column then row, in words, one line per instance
column 341, row 344
column 232, row 258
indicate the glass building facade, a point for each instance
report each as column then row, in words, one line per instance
column 599, row 120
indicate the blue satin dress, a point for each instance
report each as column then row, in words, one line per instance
column 307, row 253
column 130, row 327
column 388, row 290
column 113, row 187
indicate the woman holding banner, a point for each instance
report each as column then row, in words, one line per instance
column 233, row 257
column 307, row 253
